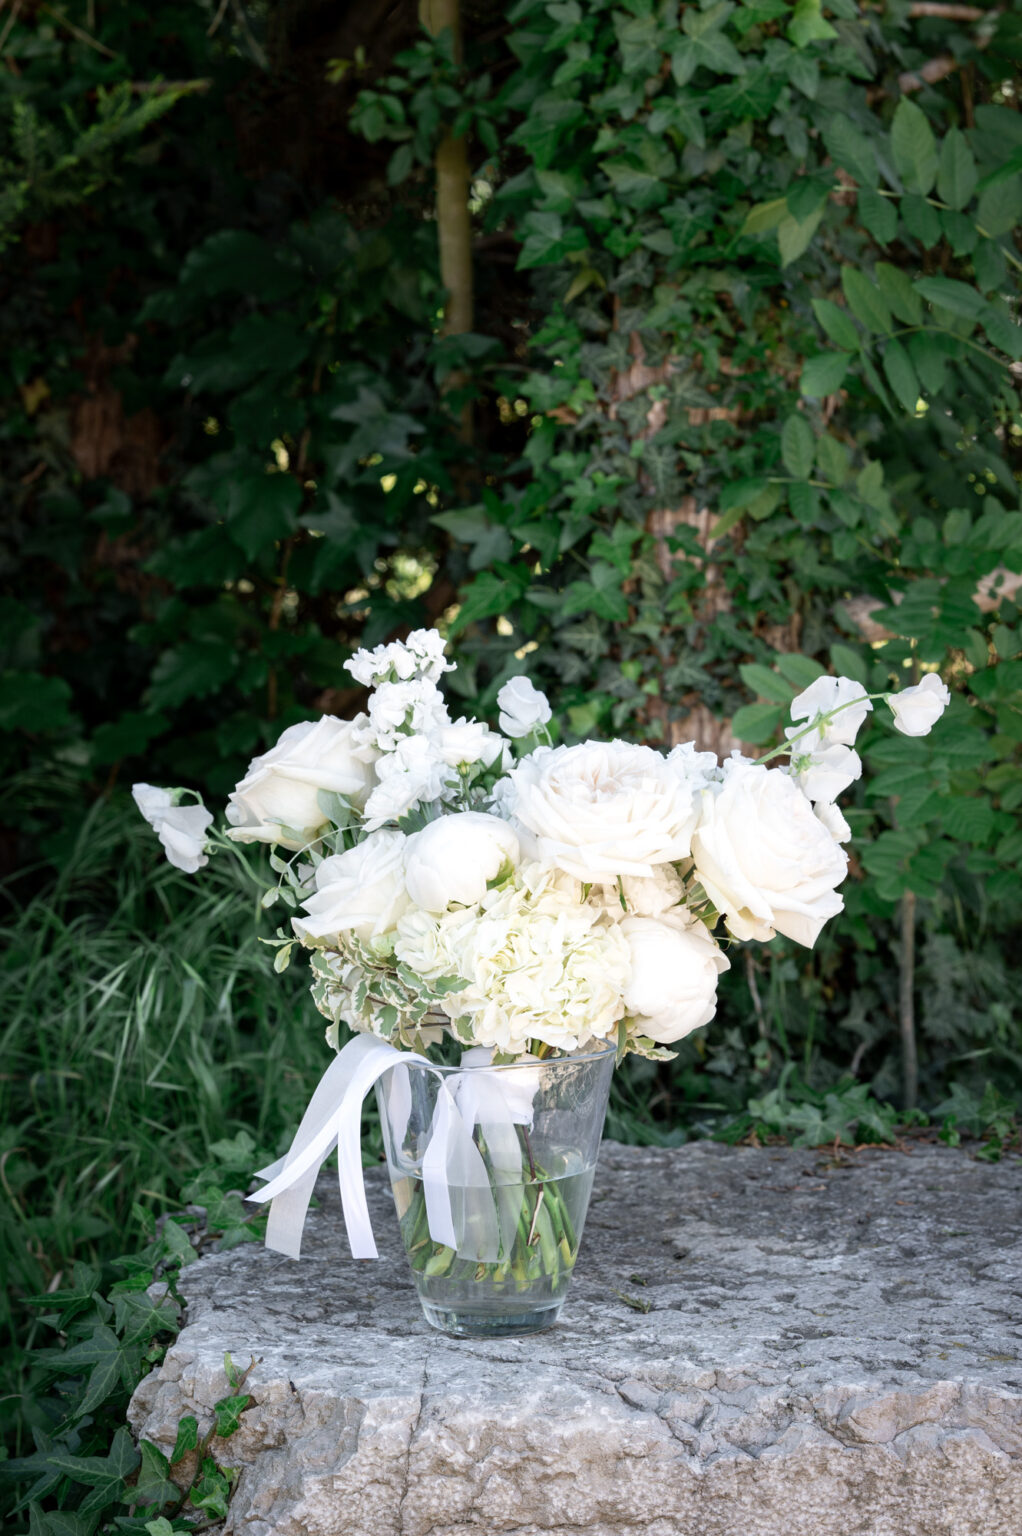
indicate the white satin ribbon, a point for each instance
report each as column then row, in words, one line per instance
column 460, row 1208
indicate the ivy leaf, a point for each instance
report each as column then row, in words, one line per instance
column 956, row 174
column 187, row 1437
column 865, row 301
column 260, row 509
column 808, row 26
column 913, row 147
column 901, row 375
column 212, row 1492
column 153, row 1486
column 227, row 1414
column 798, row 447
column 823, row 374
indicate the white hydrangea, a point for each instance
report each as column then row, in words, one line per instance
column 644, row 895
column 539, row 964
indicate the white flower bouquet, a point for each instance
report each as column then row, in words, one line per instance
column 535, row 902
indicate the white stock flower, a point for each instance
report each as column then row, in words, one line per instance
column 917, row 710
column 361, row 891
column 825, row 694
column 522, row 707
column 672, row 988
column 827, row 772
column 764, row 859
column 421, row 655
column 602, row 809
column 278, row 799
column 397, row 710
column 413, row 774
column 181, row 828
column 464, row 742
column 454, row 857
column 539, row 965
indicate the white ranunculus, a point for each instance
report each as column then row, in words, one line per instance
column 819, row 698
column 522, row 707
column 454, row 857
column 917, row 710
column 827, row 772
column 672, row 988
column 361, row 892
column 834, row 821
column 278, row 799
column 602, row 809
column 181, row 828
column 764, row 859
column 464, row 742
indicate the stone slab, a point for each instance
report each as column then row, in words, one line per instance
column 757, row 1341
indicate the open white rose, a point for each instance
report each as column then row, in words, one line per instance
column 361, row 892
column 278, row 799
column 672, row 987
column 522, row 707
column 764, row 859
column 181, row 828
column 827, row 693
column 602, row 809
column 917, row 710
column 827, row 772
column 453, row 858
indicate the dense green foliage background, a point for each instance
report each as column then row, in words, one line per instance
column 744, row 395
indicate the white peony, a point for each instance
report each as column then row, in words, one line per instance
column 278, row 799
column 454, row 857
column 522, row 707
column 539, row 965
column 917, row 710
column 181, row 828
column 764, row 859
column 361, row 892
column 672, row 988
column 603, row 809
column 827, row 772
column 421, row 655
column 828, row 693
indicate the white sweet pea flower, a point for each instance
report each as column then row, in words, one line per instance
column 764, row 859
column 834, row 821
column 453, row 858
column 413, row 774
column 397, row 710
column 181, row 828
column 602, row 809
column 361, row 891
column 522, row 707
column 819, row 698
column 672, row 987
column 917, row 710
column 420, row 656
column 278, row 799
column 827, row 772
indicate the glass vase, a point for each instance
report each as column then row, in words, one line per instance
column 517, row 1171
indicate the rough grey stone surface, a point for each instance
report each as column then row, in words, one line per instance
column 832, row 1347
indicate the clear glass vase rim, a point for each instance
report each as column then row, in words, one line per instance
column 600, row 1054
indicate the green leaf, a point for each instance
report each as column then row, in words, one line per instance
column 837, row 323
column 833, row 459
column 767, row 684
column 823, row 374
column 921, row 220
column 897, row 289
column 187, row 1437
column 757, row 723
column 763, row 217
column 262, row 509
column 851, row 150
column 913, row 147
column 947, row 293
column 153, row 1484
column 878, row 214
column 808, row 26
column 968, row 820
column 793, row 236
column 800, row 671
column 849, row 663
column 227, row 1414
column 901, row 375
column 865, row 301
column 1002, row 331
column 212, row 1492
column 31, row 702
column 798, row 447
column 956, row 175
column 1000, row 207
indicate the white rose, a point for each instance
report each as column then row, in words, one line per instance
column 181, row 828
column 522, row 707
column 453, row 858
column 468, row 741
column 361, row 892
column 672, row 988
column 764, row 859
column 917, row 710
column 278, row 799
column 819, row 698
column 828, row 771
column 602, row 809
